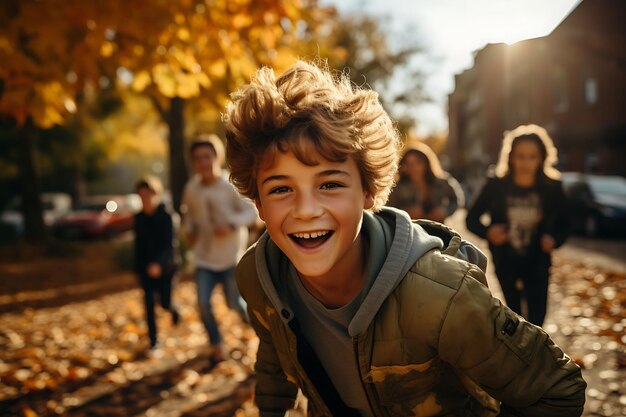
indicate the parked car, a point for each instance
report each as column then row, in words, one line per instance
column 597, row 203
column 99, row 216
column 55, row 205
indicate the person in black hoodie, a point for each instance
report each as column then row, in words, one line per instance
column 528, row 219
column 154, row 252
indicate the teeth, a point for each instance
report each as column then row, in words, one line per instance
column 311, row 235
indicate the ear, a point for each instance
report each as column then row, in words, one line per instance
column 259, row 208
column 369, row 202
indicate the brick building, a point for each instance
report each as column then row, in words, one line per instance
column 572, row 82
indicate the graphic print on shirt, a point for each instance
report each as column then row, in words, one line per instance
column 524, row 214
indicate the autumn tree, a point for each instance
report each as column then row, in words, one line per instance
column 172, row 51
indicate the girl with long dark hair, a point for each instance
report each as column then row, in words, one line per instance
column 424, row 190
column 527, row 210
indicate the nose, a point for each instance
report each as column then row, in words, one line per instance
column 307, row 206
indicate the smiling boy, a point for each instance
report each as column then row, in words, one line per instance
column 366, row 312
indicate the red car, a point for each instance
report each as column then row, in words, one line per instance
column 99, row 216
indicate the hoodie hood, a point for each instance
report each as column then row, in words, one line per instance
column 395, row 245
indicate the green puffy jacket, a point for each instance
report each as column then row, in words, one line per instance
column 438, row 345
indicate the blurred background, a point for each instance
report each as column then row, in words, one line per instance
column 95, row 94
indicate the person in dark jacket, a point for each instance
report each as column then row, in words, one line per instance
column 527, row 207
column 154, row 252
column 424, row 190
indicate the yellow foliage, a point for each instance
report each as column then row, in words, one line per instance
column 165, row 80
column 136, row 129
column 203, row 80
column 186, row 85
column 141, row 81
column 185, row 58
column 217, row 68
column 107, row 49
column 183, row 34
column 179, row 18
column 49, row 104
column 241, row 20
column 268, row 38
column 285, row 57
column 177, row 48
column 138, row 50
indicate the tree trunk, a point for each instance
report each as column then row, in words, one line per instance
column 78, row 189
column 30, row 188
column 176, row 139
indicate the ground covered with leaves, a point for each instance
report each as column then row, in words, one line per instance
column 92, row 359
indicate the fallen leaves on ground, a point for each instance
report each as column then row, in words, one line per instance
column 59, row 360
column 586, row 319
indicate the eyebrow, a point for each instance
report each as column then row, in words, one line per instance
column 325, row 173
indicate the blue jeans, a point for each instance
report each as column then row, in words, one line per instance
column 206, row 281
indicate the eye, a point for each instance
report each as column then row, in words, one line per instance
column 331, row 185
column 279, row 190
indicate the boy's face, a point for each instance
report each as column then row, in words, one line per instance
column 146, row 196
column 314, row 214
column 203, row 160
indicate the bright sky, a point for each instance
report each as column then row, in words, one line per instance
column 451, row 30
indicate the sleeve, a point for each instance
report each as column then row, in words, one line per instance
column 512, row 360
column 244, row 213
column 274, row 393
column 478, row 208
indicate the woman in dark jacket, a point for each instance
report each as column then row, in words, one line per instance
column 154, row 252
column 424, row 190
column 528, row 219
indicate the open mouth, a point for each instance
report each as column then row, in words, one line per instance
column 311, row 240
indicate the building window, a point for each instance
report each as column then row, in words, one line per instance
column 591, row 90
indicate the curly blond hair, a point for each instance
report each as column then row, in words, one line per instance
column 532, row 133
column 308, row 110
